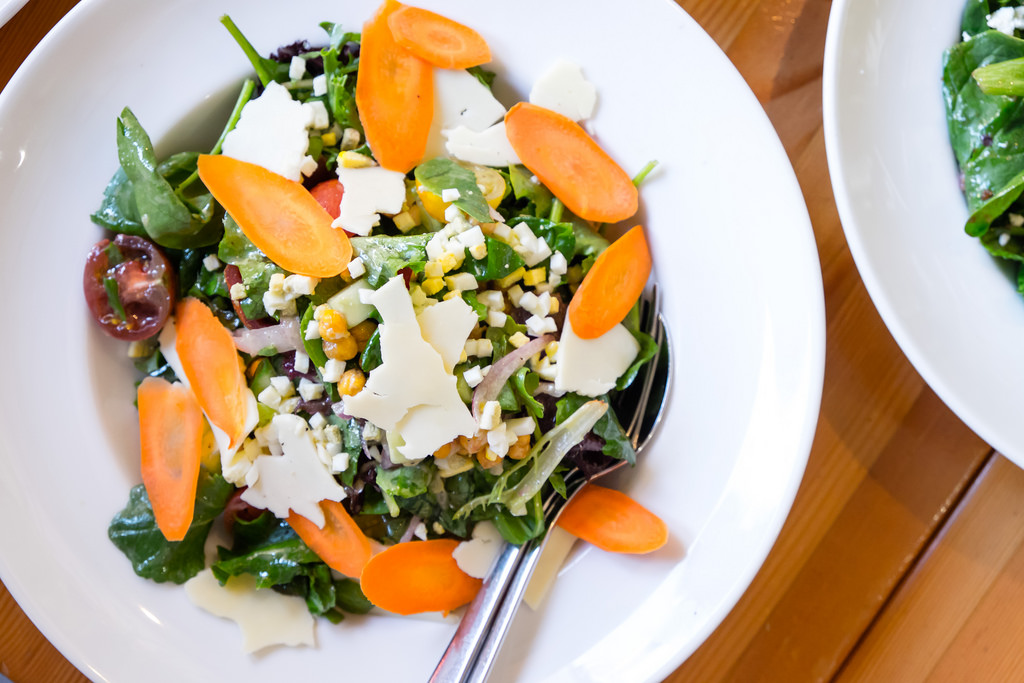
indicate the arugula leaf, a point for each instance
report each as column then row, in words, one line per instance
column 442, row 174
column 385, row 255
column 525, row 382
column 370, row 357
column 135, row 533
column 165, row 215
column 256, row 269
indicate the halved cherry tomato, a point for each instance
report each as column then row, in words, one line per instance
column 329, row 194
column 129, row 287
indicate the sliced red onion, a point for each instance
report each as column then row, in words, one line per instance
column 283, row 336
column 410, row 530
column 499, row 373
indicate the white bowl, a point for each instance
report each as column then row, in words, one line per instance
column 733, row 250
column 952, row 308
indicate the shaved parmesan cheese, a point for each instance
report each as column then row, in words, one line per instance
column 369, row 192
column 446, row 326
column 272, row 132
column 591, row 366
column 266, row 617
column 411, row 394
column 460, row 100
column 562, row 88
column 489, row 147
column 556, row 548
column 295, row 480
column 477, row 555
column 229, row 462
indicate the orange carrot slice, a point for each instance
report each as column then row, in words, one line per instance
column 443, row 42
column 418, row 576
column 611, row 286
column 280, row 216
column 211, row 364
column 394, row 95
column 340, row 543
column 171, row 431
column 613, row 521
column 570, row 164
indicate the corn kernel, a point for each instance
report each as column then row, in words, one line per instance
column 350, row 159
column 535, row 277
column 332, row 324
column 511, row 278
column 432, row 285
column 552, row 348
column 554, row 306
column 478, row 251
column 433, row 269
column 455, row 293
column 351, row 382
column 518, row 339
column 329, row 139
column 449, row 262
column 405, row 221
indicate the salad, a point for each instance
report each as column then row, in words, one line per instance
column 375, row 325
column 983, row 80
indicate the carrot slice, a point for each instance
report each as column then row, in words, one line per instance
column 570, row 164
column 171, row 435
column 611, row 286
column 340, row 543
column 613, row 521
column 210, row 361
column 418, row 576
column 394, row 95
column 443, row 42
column 280, row 216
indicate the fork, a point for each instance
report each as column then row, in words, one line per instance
column 475, row 645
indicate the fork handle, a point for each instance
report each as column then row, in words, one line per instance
column 458, row 658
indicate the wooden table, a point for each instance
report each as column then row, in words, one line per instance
column 902, row 559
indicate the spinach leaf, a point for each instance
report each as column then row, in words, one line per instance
column 405, row 482
column 170, row 219
column 271, row 564
column 441, row 174
column 616, row 445
column 350, row 597
column 314, row 347
column 470, row 297
column 135, row 533
column 500, row 261
column 370, row 357
column 385, row 255
column 256, row 269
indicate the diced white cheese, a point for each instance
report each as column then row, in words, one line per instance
column 562, row 88
column 348, row 302
column 283, row 385
column 301, row 362
column 477, row 555
column 496, row 318
column 460, row 100
column 591, row 366
column 237, row 292
column 211, row 262
column 310, row 391
column 296, row 480
column 445, row 327
column 266, row 617
column 490, row 415
column 411, row 394
column 558, row 265
column 296, row 68
column 272, row 133
column 369, row 192
column 538, row 325
column 356, row 269
column 312, row 331
column 319, row 85
column 488, row 147
column 520, row 426
column 473, row 376
column 318, row 113
column 499, row 440
column 450, row 194
column 333, row 370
